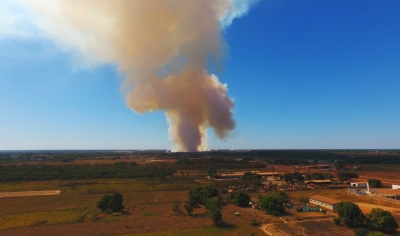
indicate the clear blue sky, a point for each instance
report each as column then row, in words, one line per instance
column 303, row 74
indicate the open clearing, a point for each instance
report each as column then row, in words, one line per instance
column 29, row 193
column 367, row 207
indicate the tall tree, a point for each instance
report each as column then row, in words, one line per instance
column 214, row 210
column 375, row 183
column 273, row 205
column 240, row 198
column 350, row 214
column 212, row 171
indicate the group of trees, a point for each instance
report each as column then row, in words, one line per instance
column 344, row 176
column 251, row 176
column 296, row 176
column 208, row 197
column 349, row 214
column 76, row 171
column 274, row 204
column 319, row 176
column 292, row 177
column 240, row 198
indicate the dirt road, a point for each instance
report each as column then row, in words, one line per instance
column 273, row 231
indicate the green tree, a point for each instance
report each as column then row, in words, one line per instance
column 214, row 210
column 116, row 202
column 216, row 216
column 350, row 214
column 251, row 176
column 175, row 206
column 273, row 205
column 111, row 203
column 328, row 176
column 298, row 176
column 315, row 176
column 240, row 198
column 360, row 232
column 283, row 196
column 200, row 195
column 212, row 171
column 376, row 234
column 382, row 220
column 188, row 207
column 213, row 203
column 103, row 203
column 288, row 177
column 375, row 183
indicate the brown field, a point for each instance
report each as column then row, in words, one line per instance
column 148, row 209
column 367, row 207
column 305, row 228
column 148, row 206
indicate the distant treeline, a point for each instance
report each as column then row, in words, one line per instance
column 373, row 160
column 101, row 171
column 288, row 157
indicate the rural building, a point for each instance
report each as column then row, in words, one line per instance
column 358, row 184
column 394, row 186
column 325, row 202
column 308, row 208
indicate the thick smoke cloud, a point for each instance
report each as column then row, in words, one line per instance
column 162, row 47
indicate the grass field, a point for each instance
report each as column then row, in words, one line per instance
column 209, row 231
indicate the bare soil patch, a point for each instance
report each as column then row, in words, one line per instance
column 29, row 193
column 367, row 207
column 307, row 227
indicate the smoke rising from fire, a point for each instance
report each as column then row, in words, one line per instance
column 162, row 47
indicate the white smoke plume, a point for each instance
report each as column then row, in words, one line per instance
column 162, row 47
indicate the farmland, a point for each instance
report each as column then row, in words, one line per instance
column 148, row 199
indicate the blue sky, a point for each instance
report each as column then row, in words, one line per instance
column 303, row 74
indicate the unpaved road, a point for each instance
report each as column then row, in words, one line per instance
column 29, row 193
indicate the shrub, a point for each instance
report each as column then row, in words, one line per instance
column 360, row 232
column 254, row 223
column 175, row 206
column 382, row 220
column 111, row 203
